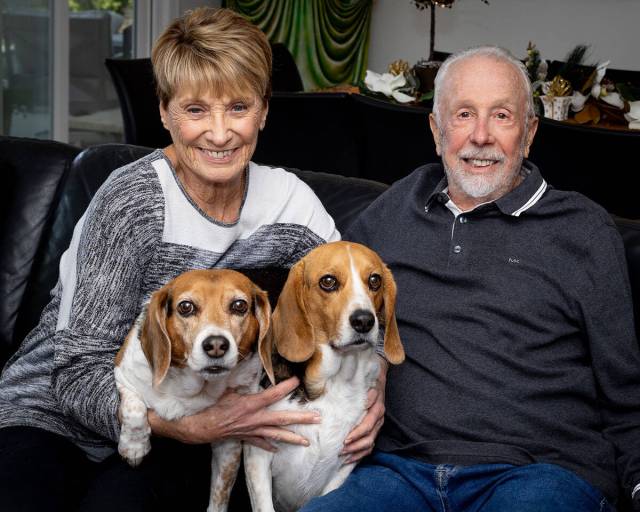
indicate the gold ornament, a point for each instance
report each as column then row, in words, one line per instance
column 398, row 67
column 559, row 87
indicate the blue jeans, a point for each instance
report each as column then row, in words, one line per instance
column 390, row 482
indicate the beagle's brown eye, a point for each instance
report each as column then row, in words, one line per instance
column 186, row 308
column 375, row 281
column 328, row 283
column 239, row 306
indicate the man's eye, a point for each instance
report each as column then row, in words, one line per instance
column 186, row 308
column 502, row 115
column 464, row 115
column 328, row 283
column 239, row 306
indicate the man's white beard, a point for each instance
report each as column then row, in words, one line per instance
column 481, row 185
column 484, row 185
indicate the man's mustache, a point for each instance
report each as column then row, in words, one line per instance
column 481, row 154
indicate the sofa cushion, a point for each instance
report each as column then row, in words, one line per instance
column 32, row 171
column 87, row 173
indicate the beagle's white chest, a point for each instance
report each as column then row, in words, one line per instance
column 300, row 473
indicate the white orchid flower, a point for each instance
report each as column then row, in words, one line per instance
column 596, row 88
column 614, row 99
column 577, row 101
column 541, row 72
column 633, row 116
column 387, row 84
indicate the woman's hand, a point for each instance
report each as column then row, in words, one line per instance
column 243, row 417
column 359, row 443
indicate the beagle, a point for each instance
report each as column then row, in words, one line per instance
column 196, row 337
column 325, row 329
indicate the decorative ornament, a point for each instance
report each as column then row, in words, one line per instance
column 589, row 114
column 559, row 87
column 556, row 107
column 585, row 89
column 398, row 67
column 556, row 100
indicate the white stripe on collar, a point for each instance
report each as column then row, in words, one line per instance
column 454, row 207
column 532, row 200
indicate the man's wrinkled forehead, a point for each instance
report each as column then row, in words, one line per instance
column 466, row 73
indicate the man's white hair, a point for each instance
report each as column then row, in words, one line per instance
column 494, row 52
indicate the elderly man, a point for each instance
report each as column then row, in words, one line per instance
column 521, row 388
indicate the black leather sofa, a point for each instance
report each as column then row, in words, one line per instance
column 48, row 185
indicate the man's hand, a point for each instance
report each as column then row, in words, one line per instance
column 360, row 441
column 243, row 417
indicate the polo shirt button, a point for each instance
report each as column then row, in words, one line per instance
column 463, row 219
column 457, row 249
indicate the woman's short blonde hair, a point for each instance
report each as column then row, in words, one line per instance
column 216, row 50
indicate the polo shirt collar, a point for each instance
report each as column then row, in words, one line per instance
column 514, row 203
column 438, row 194
column 526, row 194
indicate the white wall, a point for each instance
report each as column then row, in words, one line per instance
column 611, row 27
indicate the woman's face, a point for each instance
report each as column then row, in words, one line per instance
column 213, row 137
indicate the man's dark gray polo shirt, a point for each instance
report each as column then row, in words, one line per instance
column 518, row 326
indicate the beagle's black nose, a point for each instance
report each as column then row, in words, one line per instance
column 215, row 346
column 362, row 320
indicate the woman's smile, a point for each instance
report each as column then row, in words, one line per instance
column 218, row 156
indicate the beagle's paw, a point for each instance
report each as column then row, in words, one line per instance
column 134, row 450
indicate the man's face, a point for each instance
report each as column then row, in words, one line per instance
column 482, row 137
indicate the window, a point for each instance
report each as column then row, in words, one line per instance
column 44, row 93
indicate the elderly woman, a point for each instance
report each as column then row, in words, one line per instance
column 198, row 203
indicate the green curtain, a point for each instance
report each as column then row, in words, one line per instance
column 329, row 39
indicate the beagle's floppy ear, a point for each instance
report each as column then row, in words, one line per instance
column 262, row 312
column 154, row 338
column 265, row 350
column 392, row 346
column 265, row 341
column 292, row 331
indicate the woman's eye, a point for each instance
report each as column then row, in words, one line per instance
column 375, row 281
column 239, row 306
column 186, row 308
column 194, row 111
column 239, row 107
column 328, row 283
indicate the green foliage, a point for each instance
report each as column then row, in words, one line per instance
column 532, row 62
column 628, row 91
column 426, row 96
column 104, row 5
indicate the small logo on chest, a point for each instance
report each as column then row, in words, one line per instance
column 514, row 261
